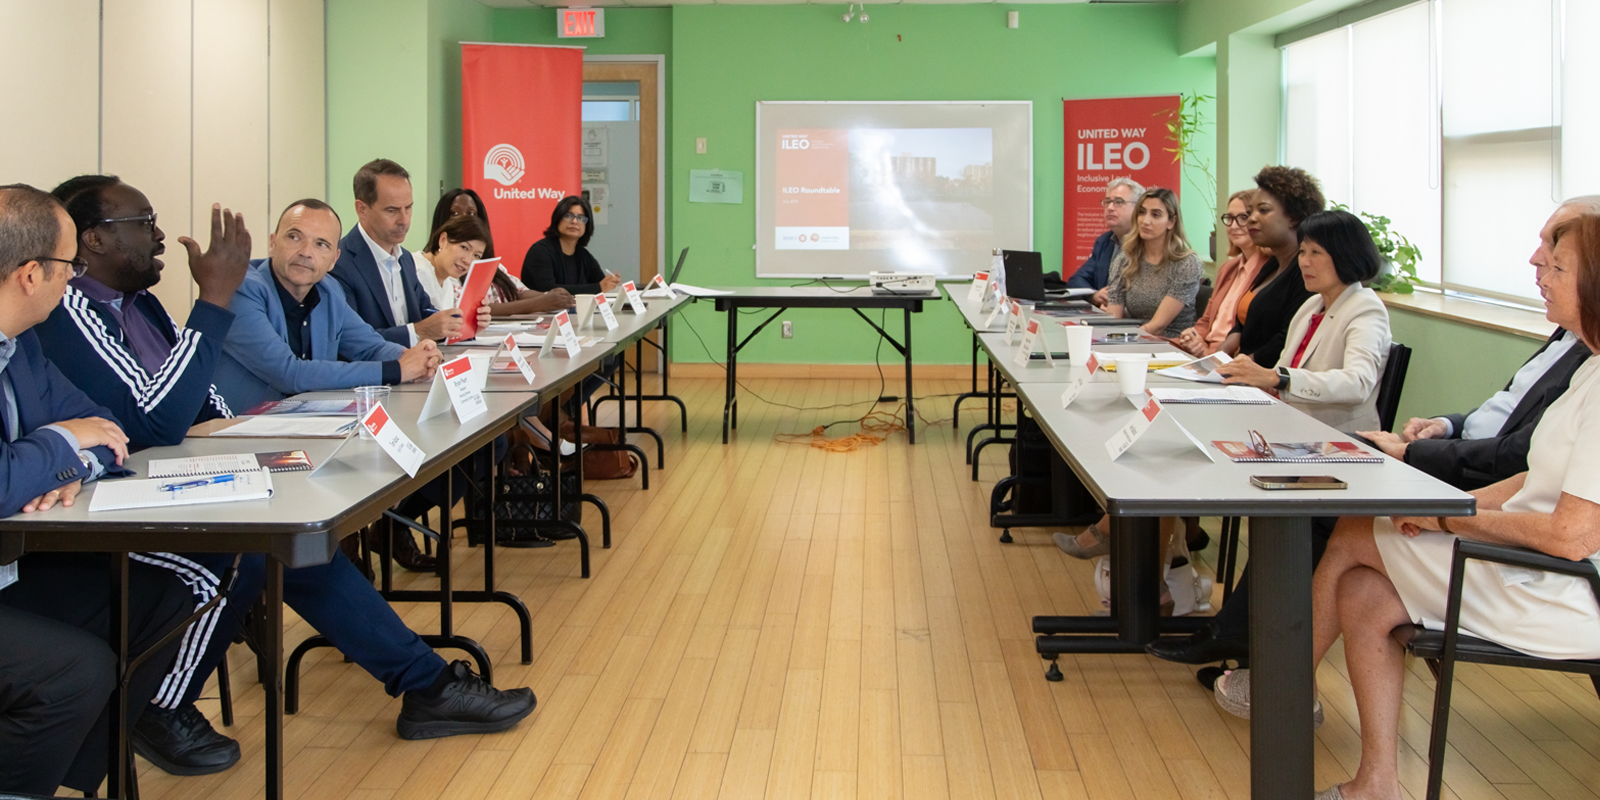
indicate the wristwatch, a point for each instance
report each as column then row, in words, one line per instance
column 1283, row 378
column 84, row 458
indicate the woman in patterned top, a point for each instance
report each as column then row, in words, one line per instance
column 1156, row 276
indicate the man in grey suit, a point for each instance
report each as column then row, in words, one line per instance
column 1490, row 444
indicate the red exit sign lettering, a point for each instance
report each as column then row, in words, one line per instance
column 580, row 23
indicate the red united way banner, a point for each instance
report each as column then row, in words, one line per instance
column 1119, row 137
column 521, row 117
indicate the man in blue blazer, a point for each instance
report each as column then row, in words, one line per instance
column 293, row 331
column 378, row 274
column 1118, row 206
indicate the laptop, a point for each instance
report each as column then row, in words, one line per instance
column 679, row 267
column 1024, row 274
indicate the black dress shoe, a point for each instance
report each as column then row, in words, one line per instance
column 467, row 704
column 182, row 742
column 1201, row 647
column 404, row 552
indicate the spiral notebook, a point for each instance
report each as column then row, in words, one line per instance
column 129, row 493
column 1298, row 453
column 202, row 466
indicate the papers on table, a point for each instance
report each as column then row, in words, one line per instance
column 315, row 408
column 291, row 427
column 163, row 492
column 696, row 291
column 1224, row 395
column 197, row 466
column 1108, row 360
column 1201, row 369
column 1297, row 452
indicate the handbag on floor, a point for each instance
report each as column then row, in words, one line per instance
column 601, row 465
column 1187, row 590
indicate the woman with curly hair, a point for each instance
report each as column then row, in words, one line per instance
column 1284, row 197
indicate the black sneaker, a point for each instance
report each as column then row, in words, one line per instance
column 467, row 704
column 182, row 742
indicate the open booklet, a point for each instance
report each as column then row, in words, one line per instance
column 163, row 492
column 1200, row 369
column 1222, row 395
column 200, row 466
column 1262, row 451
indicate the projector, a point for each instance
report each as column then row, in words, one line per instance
column 901, row 283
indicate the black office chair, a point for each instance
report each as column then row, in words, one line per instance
column 1442, row 649
column 1390, row 384
column 1202, row 298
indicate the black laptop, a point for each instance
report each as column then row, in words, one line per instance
column 679, row 267
column 1024, row 274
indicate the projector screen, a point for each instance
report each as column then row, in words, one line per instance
column 848, row 188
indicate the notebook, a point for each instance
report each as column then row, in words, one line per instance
column 197, row 466
column 165, row 492
column 1299, row 453
column 325, row 408
column 293, row 426
column 1221, row 396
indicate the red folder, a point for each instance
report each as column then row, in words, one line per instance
column 478, row 279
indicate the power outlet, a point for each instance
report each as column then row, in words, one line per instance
column 788, row 329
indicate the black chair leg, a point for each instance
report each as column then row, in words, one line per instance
column 1595, row 679
column 1441, row 723
column 225, row 692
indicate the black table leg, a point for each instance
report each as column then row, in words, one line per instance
column 272, row 653
column 1281, row 745
column 117, row 712
column 728, row 396
column 911, row 404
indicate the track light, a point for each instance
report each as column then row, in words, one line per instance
column 864, row 16
column 849, row 13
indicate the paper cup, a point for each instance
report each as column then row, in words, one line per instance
column 480, row 369
column 1080, row 338
column 1131, row 369
column 368, row 398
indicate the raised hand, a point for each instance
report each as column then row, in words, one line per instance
column 222, row 267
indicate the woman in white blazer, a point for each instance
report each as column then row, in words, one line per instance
column 1338, row 341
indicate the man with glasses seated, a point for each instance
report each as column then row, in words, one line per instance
column 1095, row 272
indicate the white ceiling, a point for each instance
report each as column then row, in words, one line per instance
column 594, row 3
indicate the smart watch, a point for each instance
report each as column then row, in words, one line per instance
column 1283, row 378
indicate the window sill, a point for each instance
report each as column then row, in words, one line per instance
column 1478, row 314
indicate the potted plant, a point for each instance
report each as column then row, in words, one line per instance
column 1400, row 256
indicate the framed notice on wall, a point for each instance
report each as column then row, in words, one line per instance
column 1105, row 139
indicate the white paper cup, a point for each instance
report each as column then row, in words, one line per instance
column 480, row 369
column 368, row 398
column 1131, row 368
column 1080, row 339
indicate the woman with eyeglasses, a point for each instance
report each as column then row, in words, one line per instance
column 1338, row 340
column 1156, row 276
column 562, row 259
column 1233, row 278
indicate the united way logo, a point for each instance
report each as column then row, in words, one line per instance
column 503, row 165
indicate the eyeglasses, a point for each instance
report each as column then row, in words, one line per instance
column 1230, row 220
column 147, row 220
column 1113, row 201
column 578, row 218
column 79, row 266
column 1259, row 444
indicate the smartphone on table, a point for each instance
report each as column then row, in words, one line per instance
column 1276, row 482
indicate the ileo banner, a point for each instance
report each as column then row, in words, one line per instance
column 1119, row 137
column 521, row 115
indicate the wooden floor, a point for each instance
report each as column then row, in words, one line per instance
column 778, row 621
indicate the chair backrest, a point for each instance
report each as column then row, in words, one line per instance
column 1203, row 297
column 1392, row 383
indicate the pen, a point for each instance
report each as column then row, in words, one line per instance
column 173, row 487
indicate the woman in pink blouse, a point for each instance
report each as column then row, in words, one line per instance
column 1233, row 279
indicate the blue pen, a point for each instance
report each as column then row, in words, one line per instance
column 173, row 487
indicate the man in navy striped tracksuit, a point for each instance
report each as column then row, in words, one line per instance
column 114, row 339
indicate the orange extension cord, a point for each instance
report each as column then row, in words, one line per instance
column 876, row 427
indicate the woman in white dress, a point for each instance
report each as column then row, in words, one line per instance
column 1381, row 573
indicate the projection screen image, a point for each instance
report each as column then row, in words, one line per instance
column 844, row 189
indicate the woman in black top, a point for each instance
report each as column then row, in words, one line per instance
column 1286, row 196
column 562, row 257
column 461, row 203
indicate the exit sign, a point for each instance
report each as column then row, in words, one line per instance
column 581, row 23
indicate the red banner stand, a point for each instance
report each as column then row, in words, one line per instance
column 1119, row 137
column 521, row 122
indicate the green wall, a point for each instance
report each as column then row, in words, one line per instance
column 1454, row 367
column 723, row 59
column 394, row 78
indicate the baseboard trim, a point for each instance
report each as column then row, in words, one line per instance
column 891, row 372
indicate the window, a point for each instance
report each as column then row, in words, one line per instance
column 1446, row 117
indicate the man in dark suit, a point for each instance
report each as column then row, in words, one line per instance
column 1465, row 450
column 1095, row 272
column 378, row 274
column 53, row 438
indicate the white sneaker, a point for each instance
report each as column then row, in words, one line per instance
column 568, row 448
